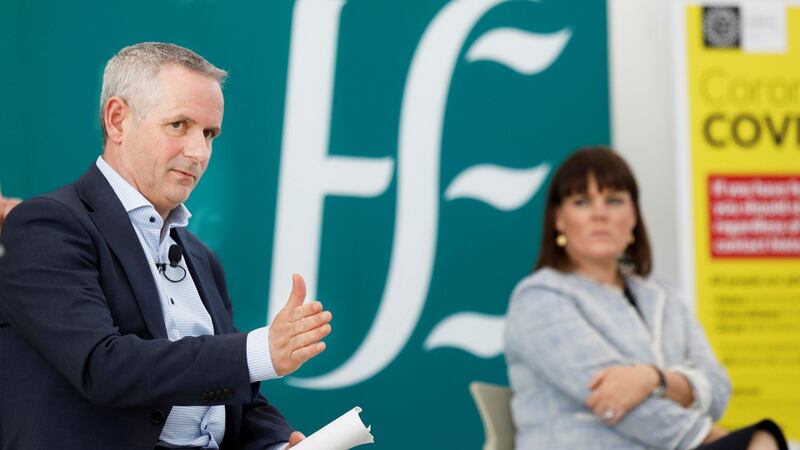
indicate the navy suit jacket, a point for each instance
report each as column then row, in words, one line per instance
column 85, row 362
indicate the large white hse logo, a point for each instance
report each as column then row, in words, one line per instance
column 308, row 173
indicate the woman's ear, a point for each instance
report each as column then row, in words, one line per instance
column 559, row 220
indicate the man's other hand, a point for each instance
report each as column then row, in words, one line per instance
column 295, row 439
column 296, row 333
column 6, row 204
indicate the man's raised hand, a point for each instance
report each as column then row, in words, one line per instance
column 296, row 333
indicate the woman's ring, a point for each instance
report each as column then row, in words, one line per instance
column 609, row 414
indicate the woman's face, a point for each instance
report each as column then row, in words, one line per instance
column 598, row 225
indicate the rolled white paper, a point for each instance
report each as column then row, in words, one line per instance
column 344, row 433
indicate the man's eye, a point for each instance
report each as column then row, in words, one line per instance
column 209, row 134
column 178, row 125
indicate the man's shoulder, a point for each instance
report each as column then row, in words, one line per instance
column 60, row 200
column 78, row 197
column 67, row 195
column 67, row 204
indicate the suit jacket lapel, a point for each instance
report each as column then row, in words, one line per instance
column 197, row 264
column 107, row 212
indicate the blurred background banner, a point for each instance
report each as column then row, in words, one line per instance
column 742, row 180
column 394, row 153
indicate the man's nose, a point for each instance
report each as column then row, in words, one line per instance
column 197, row 147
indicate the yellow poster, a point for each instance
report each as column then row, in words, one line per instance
column 743, row 98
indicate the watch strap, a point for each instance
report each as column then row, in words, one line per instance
column 661, row 389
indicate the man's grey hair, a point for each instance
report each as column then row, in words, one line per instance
column 132, row 74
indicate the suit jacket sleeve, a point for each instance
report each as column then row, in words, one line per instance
column 261, row 424
column 55, row 298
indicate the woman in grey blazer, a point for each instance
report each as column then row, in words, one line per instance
column 599, row 356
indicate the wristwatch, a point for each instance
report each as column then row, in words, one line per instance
column 661, row 389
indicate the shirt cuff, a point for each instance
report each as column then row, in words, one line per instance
column 279, row 446
column 259, row 360
column 701, row 388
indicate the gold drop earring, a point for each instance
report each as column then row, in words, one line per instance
column 561, row 240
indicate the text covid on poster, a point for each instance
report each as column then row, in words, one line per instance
column 742, row 106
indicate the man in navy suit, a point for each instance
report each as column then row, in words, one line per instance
column 116, row 329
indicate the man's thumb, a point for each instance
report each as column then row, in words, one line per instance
column 298, row 294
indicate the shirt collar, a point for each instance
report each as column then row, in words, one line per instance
column 133, row 200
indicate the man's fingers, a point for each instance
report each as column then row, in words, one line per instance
column 298, row 294
column 303, row 354
column 310, row 337
column 296, row 332
column 307, row 309
column 295, row 438
column 310, row 322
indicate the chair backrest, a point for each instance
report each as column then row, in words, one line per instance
column 494, row 406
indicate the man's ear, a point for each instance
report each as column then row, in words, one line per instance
column 116, row 111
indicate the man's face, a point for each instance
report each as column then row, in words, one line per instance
column 166, row 147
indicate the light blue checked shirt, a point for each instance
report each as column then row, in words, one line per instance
column 184, row 315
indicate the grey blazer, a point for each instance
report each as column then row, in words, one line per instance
column 563, row 327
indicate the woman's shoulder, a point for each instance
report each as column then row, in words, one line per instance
column 536, row 298
column 544, row 278
column 545, row 285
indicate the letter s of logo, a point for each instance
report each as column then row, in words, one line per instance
column 308, row 174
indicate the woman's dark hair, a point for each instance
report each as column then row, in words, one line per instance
column 611, row 172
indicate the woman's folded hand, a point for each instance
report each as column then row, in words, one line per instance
column 617, row 390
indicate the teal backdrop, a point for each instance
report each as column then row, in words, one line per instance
column 459, row 145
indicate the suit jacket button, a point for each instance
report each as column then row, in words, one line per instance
column 228, row 392
column 158, row 416
column 204, row 397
